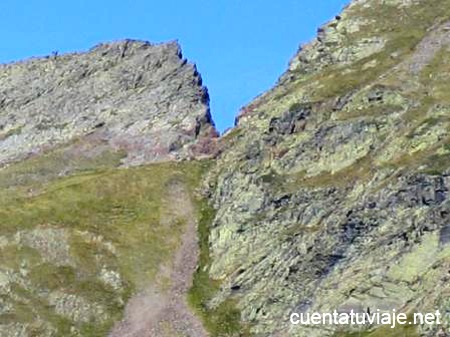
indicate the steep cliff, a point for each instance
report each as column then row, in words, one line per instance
column 332, row 192
column 140, row 98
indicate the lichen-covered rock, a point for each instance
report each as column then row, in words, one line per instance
column 51, row 243
column 76, row 308
column 13, row 330
column 333, row 190
column 141, row 98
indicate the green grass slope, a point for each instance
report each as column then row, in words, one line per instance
column 73, row 249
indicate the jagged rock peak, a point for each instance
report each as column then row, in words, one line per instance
column 135, row 96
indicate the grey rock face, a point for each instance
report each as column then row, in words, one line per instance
column 333, row 190
column 141, row 98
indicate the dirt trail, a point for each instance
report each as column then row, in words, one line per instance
column 164, row 313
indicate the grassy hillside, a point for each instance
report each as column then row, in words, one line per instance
column 73, row 249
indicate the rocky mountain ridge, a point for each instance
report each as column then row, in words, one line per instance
column 332, row 191
column 140, row 98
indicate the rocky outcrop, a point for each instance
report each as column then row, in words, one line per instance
column 79, row 237
column 137, row 97
column 333, row 190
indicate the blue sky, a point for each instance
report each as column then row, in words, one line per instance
column 241, row 47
